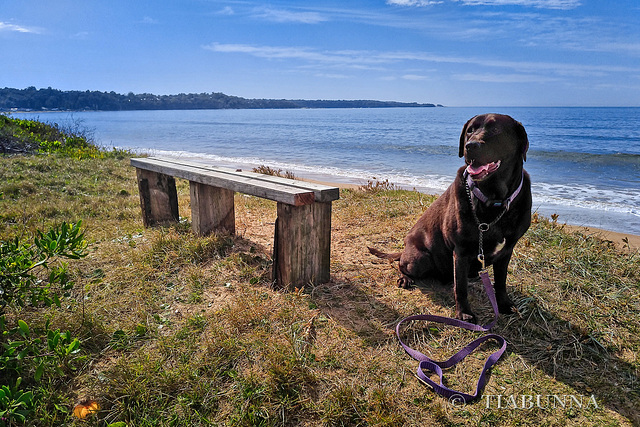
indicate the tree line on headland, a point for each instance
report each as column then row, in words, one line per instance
column 32, row 99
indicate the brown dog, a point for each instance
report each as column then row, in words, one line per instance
column 493, row 191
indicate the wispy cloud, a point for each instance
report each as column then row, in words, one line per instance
column 540, row 4
column 415, row 77
column 419, row 3
column 5, row 26
column 524, row 71
column 332, row 76
column 301, row 53
column 227, row 10
column 559, row 68
column 281, row 15
column 616, row 46
column 504, row 78
column 82, row 35
column 148, row 20
column 585, row 34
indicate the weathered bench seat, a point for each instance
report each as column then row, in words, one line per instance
column 302, row 238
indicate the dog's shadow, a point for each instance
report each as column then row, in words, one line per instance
column 541, row 338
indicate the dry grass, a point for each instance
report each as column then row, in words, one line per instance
column 267, row 170
column 186, row 330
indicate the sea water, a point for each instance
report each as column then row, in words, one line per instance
column 584, row 162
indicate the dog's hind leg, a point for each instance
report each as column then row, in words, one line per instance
column 414, row 264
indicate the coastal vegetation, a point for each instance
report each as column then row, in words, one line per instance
column 32, row 99
column 32, row 136
column 106, row 321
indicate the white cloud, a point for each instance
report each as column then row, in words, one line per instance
column 332, row 76
column 4, row 26
column 415, row 77
column 82, row 35
column 559, row 68
column 226, row 11
column 540, row 4
column 504, row 78
column 419, row 3
column 523, row 71
column 279, row 15
column 302, row 53
column 148, row 20
column 619, row 47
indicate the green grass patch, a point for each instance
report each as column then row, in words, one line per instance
column 178, row 329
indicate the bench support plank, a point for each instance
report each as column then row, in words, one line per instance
column 302, row 244
column 212, row 209
column 158, row 197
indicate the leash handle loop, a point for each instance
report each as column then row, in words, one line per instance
column 436, row 367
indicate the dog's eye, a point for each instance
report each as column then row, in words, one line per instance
column 470, row 130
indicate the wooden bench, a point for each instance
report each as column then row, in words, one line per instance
column 302, row 240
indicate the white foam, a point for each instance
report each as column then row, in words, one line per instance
column 432, row 183
column 580, row 205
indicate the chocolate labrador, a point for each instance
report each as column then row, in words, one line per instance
column 489, row 202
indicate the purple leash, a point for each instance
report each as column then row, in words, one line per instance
column 431, row 365
column 435, row 366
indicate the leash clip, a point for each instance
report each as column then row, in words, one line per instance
column 481, row 259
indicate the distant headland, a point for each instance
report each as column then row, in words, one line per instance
column 32, row 99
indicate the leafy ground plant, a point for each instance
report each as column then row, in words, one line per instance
column 33, row 136
column 32, row 276
column 27, row 274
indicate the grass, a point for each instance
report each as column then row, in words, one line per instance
column 179, row 329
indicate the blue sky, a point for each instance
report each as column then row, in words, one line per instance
column 451, row 52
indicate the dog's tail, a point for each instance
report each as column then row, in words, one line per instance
column 393, row 257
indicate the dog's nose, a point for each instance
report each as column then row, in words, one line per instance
column 472, row 146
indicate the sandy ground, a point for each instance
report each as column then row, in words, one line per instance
column 622, row 240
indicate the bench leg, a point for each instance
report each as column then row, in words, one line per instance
column 212, row 209
column 158, row 197
column 302, row 246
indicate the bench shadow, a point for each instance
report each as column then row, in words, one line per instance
column 540, row 337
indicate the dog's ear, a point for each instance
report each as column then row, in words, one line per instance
column 463, row 138
column 524, row 140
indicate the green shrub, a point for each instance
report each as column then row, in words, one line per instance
column 33, row 136
column 26, row 272
column 31, row 274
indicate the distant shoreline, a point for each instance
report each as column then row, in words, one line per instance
column 32, row 100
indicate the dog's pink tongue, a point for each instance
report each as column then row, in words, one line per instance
column 488, row 168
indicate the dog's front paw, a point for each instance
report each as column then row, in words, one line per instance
column 466, row 316
column 507, row 307
column 405, row 283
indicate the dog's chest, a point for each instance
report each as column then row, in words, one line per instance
column 499, row 246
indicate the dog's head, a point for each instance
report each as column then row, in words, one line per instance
column 489, row 140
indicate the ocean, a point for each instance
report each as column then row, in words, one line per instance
column 584, row 162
